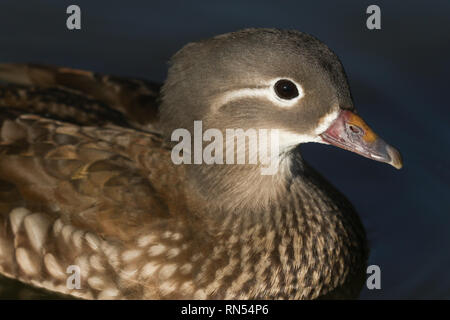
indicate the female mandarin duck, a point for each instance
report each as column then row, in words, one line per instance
column 87, row 180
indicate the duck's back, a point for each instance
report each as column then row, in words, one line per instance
column 78, row 96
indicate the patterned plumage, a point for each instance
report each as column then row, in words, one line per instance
column 86, row 179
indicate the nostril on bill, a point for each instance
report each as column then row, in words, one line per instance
column 355, row 129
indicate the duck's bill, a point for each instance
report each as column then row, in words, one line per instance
column 350, row 132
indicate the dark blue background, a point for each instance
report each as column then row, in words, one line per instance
column 399, row 78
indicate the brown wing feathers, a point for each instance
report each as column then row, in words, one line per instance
column 60, row 104
column 70, row 194
column 82, row 96
column 73, row 195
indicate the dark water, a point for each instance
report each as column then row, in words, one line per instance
column 399, row 78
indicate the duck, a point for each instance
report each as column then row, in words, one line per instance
column 93, row 206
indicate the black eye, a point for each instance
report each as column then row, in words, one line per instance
column 286, row 89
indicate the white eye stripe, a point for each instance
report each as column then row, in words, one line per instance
column 233, row 95
column 264, row 92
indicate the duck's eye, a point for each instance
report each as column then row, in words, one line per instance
column 286, row 89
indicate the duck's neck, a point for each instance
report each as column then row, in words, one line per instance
column 295, row 226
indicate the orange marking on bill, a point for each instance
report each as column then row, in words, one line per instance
column 369, row 135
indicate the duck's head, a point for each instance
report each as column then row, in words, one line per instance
column 268, row 79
